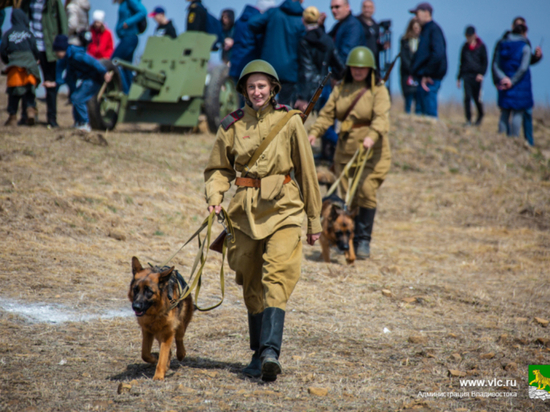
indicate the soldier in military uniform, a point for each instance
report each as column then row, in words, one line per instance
column 268, row 208
column 197, row 16
column 367, row 124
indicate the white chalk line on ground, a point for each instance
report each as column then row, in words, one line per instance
column 57, row 313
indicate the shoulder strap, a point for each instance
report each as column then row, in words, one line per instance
column 354, row 103
column 232, row 118
column 274, row 132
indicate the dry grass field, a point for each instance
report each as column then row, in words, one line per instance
column 459, row 272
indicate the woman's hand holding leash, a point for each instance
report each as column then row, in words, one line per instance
column 218, row 209
column 368, row 143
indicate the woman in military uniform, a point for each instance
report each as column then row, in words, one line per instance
column 268, row 208
column 366, row 124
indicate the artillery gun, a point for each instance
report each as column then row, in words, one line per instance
column 172, row 86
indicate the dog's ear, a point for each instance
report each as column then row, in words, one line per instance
column 164, row 276
column 335, row 212
column 136, row 266
column 354, row 212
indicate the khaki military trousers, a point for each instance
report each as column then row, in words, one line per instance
column 374, row 173
column 365, row 195
column 268, row 269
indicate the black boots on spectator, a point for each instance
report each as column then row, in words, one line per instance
column 271, row 339
column 363, row 232
column 254, row 368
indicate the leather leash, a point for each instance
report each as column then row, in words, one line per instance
column 195, row 282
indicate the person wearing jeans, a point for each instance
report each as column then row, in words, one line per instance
column 130, row 13
column 429, row 64
column 513, row 80
column 409, row 45
column 83, row 67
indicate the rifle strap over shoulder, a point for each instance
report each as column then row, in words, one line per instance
column 354, row 103
column 272, row 134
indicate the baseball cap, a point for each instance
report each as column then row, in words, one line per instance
column 158, row 10
column 311, row 15
column 422, row 6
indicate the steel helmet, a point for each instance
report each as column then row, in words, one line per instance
column 361, row 56
column 258, row 66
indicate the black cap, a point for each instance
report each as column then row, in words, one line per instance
column 60, row 43
column 470, row 30
column 422, row 6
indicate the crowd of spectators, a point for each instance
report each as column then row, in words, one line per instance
column 302, row 50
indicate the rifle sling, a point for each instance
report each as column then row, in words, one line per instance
column 272, row 134
column 354, row 103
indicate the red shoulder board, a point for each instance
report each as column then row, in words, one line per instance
column 232, row 118
column 282, row 107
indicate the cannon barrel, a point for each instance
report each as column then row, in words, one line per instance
column 144, row 77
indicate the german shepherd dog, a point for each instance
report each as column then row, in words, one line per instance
column 151, row 292
column 338, row 228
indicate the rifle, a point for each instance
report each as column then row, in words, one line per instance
column 315, row 97
column 387, row 75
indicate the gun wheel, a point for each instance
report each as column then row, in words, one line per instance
column 103, row 114
column 220, row 97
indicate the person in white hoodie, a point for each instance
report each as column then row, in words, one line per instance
column 77, row 16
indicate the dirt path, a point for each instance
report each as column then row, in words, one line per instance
column 460, row 269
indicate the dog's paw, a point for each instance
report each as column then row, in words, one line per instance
column 150, row 359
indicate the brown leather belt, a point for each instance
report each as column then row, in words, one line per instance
column 358, row 125
column 250, row 182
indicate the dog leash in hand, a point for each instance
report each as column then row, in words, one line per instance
column 354, row 182
column 195, row 284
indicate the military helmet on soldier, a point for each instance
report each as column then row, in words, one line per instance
column 361, row 56
column 258, row 66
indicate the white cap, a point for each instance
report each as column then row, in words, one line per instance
column 99, row 15
column 263, row 5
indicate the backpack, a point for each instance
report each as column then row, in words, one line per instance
column 142, row 25
column 213, row 26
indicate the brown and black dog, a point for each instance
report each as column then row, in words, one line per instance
column 338, row 227
column 151, row 292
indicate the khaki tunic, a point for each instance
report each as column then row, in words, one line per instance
column 372, row 107
column 290, row 150
column 267, row 252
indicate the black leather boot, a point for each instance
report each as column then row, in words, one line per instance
column 51, row 103
column 271, row 338
column 363, row 232
column 254, row 368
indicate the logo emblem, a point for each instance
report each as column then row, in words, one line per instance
column 539, row 382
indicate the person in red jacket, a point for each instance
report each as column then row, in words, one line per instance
column 101, row 46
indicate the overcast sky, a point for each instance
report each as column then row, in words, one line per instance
column 490, row 17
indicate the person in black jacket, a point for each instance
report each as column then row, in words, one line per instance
column 473, row 66
column 165, row 27
column 316, row 53
column 430, row 60
column 409, row 45
column 372, row 30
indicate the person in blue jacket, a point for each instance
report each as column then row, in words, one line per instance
column 247, row 45
column 348, row 33
column 78, row 65
column 429, row 63
column 130, row 14
column 282, row 28
column 513, row 80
